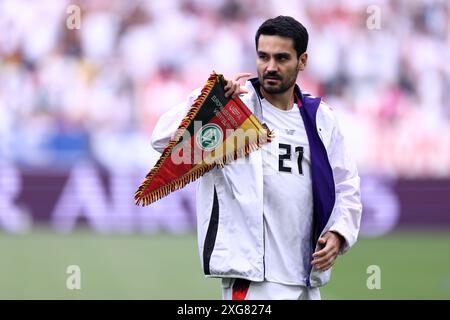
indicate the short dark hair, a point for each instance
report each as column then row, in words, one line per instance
column 287, row 27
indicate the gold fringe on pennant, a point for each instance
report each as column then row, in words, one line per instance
column 174, row 185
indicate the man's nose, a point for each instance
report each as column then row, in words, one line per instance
column 271, row 66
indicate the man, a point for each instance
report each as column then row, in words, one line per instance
column 272, row 227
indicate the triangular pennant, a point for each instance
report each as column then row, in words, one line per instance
column 215, row 131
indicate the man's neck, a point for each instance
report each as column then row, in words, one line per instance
column 283, row 101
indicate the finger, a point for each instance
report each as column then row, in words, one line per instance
column 326, row 265
column 320, row 263
column 236, row 90
column 322, row 259
column 323, row 262
column 230, row 91
column 328, row 245
column 242, row 75
column 330, row 256
column 324, row 238
column 240, row 90
column 329, row 249
column 323, row 251
column 320, row 253
column 318, row 260
column 322, row 242
column 228, row 84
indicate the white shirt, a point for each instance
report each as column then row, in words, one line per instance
column 288, row 205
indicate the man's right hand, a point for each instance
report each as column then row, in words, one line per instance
column 233, row 88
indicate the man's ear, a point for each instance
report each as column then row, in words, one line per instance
column 303, row 59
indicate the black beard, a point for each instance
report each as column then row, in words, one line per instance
column 276, row 90
column 283, row 87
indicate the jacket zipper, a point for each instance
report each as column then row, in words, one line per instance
column 264, row 249
column 311, row 250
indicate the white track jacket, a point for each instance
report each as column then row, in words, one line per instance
column 230, row 222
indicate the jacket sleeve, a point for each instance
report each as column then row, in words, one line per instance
column 168, row 123
column 346, row 215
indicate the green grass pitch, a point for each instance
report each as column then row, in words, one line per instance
column 414, row 265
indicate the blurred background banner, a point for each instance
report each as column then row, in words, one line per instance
column 82, row 84
column 90, row 196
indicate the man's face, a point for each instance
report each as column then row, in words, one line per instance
column 277, row 63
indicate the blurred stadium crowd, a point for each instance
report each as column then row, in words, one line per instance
column 97, row 92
